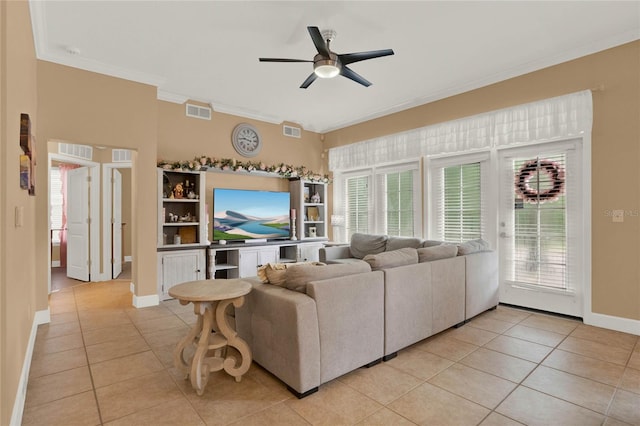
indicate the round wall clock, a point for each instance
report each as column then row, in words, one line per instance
column 246, row 140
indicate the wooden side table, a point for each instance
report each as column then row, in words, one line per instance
column 210, row 299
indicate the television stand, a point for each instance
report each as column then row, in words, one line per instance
column 256, row 241
column 242, row 260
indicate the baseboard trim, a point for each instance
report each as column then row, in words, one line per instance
column 625, row 325
column 40, row 317
column 146, row 301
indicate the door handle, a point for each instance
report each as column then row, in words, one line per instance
column 504, row 235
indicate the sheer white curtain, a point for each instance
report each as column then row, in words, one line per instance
column 547, row 120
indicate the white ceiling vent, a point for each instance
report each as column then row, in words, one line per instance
column 121, row 155
column 195, row 111
column 293, row 132
column 78, row 151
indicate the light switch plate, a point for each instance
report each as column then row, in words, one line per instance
column 19, row 219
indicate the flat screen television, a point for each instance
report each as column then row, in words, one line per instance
column 240, row 214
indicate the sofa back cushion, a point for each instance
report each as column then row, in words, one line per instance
column 443, row 251
column 431, row 243
column 473, row 246
column 364, row 244
column 392, row 259
column 395, row 243
column 297, row 276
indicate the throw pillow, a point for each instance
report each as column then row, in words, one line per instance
column 364, row 244
column 443, row 251
column 274, row 273
column 297, row 276
column 392, row 259
column 395, row 243
column 473, row 246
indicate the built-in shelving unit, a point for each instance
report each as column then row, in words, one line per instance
column 181, row 209
column 310, row 201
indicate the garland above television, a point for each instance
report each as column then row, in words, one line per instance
column 203, row 163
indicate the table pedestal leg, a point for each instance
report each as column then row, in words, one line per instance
column 230, row 363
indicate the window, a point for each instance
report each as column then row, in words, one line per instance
column 357, row 200
column 383, row 200
column 397, row 205
column 56, row 204
column 457, row 198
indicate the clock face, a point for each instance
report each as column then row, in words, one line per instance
column 246, row 140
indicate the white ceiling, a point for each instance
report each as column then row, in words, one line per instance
column 208, row 50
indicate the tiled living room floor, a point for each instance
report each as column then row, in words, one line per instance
column 100, row 361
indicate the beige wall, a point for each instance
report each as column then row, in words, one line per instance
column 184, row 138
column 615, row 155
column 18, row 290
column 92, row 109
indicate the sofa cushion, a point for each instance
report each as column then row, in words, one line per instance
column 442, row 251
column 364, row 244
column 473, row 246
column 274, row 273
column 297, row 276
column 431, row 243
column 395, row 243
column 392, row 259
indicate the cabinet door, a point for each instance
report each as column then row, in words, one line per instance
column 251, row 259
column 181, row 267
column 309, row 252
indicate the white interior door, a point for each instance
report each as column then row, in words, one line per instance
column 78, row 224
column 539, row 227
column 116, row 223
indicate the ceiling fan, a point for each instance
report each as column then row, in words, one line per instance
column 327, row 64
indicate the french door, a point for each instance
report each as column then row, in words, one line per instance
column 540, row 227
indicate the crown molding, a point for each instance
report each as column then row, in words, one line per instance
column 171, row 97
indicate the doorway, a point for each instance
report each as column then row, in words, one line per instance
column 85, row 256
column 540, row 228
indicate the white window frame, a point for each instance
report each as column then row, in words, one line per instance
column 377, row 218
column 434, row 165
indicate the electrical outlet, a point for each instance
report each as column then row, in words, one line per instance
column 617, row 216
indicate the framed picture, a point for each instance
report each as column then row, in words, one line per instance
column 25, row 131
column 313, row 214
column 25, row 171
column 306, row 194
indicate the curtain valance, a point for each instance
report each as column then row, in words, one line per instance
column 550, row 119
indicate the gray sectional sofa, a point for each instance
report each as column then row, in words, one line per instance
column 311, row 324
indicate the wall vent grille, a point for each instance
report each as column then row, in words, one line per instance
column 121, row 155
column 78, row 151
column 196, row 111
column 293, row 132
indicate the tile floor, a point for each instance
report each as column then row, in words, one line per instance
column 100, row 361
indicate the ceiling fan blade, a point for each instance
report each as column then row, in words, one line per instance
column 349, row 58
column 352, row 75
column 309, row 80
column 282, row 60
column 318, row 41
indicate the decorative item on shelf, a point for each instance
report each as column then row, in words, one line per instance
column 293, row 225
column 231, row 164
column 306, row 196
column 536, row 195
column 178, row 191
column 313, row 232
column 177, row 239
column 315, row 198
column 313, row 214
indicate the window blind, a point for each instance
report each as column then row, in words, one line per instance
column 395, row 209
column 357, row 204
column 539, row 243
column 457, row 197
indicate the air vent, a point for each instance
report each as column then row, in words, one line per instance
column 78, row 151
column 121, row 155
column 196, row 111
column 293, row 132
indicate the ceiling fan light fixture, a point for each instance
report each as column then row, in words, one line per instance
column 326, row 68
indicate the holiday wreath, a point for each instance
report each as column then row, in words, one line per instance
column 531, row 168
